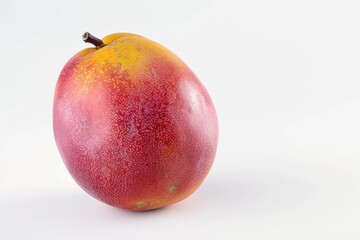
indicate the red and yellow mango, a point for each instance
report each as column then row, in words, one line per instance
column 135, row 127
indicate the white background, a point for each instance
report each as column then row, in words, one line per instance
column 284, row 77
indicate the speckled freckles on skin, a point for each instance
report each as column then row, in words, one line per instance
column 133, row 124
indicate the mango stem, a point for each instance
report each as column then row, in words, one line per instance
column 88, row 38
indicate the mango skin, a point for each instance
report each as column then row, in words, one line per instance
column 133, row 124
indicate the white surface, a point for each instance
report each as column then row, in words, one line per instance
column 284, row 76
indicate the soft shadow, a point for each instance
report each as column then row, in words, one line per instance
column 222, row 197
column 249, row 193
column 64, row 212
column 225, row 195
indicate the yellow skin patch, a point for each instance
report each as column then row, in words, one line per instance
column 143, row 204
column 124, row 54
column 172, row 188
